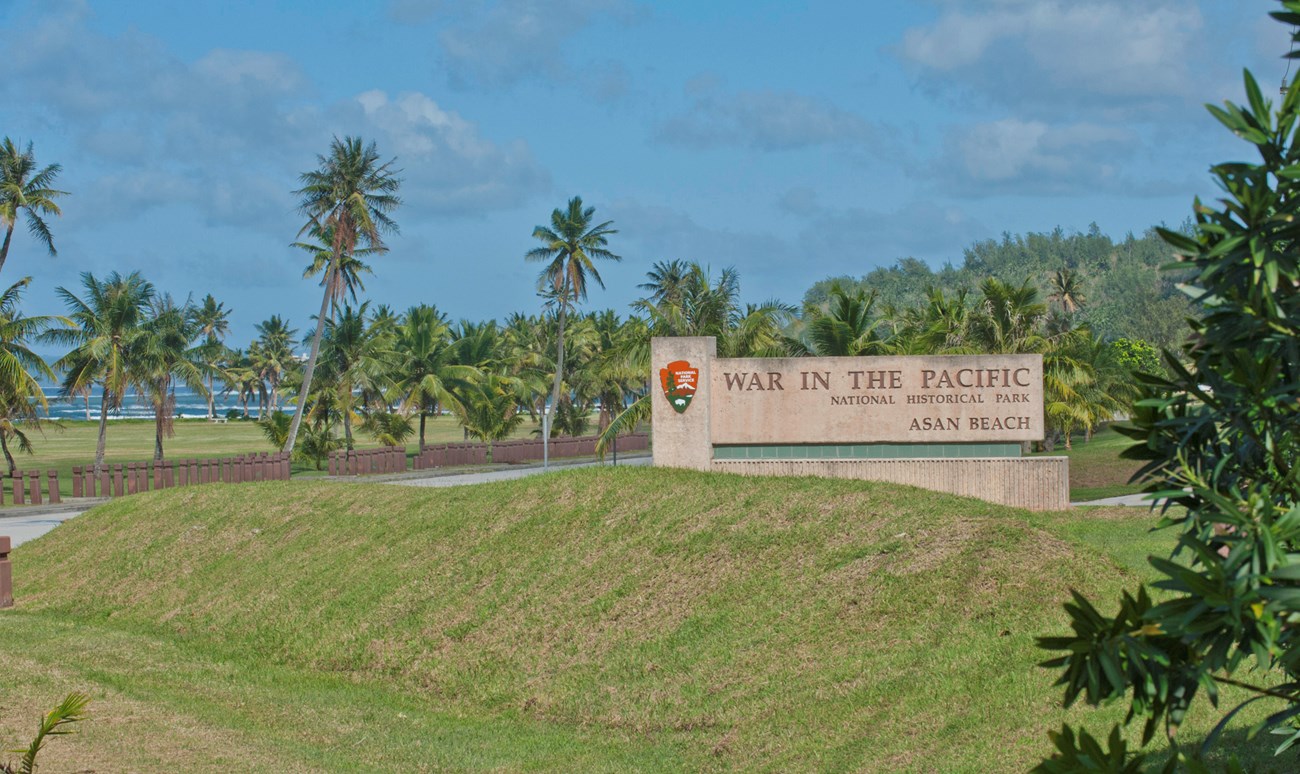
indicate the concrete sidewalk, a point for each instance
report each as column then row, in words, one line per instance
column 24, row 524
column 1131, row 500
column 510, row 474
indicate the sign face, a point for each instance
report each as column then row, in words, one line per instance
column 914, row 399
column 680, row 382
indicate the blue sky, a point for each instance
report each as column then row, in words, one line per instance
column 793, row 140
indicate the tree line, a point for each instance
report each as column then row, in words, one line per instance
column 372, row 369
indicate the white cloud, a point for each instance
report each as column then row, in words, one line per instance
column 229, row 132
column 1052, row 52
column 1036, row 157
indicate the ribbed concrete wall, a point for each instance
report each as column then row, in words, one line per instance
column 1035, row 483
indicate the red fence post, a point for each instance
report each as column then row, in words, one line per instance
column 19, row 486
column 105, row 488
column 52, row 479
column 34, row 486
column 77, row 484
column 118, row 490
column 130, row 478
column 6, row 574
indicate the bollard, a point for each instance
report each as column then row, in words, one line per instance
column 6, row 574
column 78, row 486
column 34, row 486
column 18, row 487
column 52, row 478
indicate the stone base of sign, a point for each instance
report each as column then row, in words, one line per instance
column 1033, row 483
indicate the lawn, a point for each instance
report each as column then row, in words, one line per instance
column 132, row 440
column 594, row 620
column 1096, row 470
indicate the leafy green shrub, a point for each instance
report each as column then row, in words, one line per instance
column 1221, row 439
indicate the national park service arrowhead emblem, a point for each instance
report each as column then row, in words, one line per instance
column 680, row 382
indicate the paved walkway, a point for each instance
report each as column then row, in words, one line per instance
column 461, row 479
column 1131, row 499
column 22, row 526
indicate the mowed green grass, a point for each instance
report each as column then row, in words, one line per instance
column 60, row 448
column 591, row 620
column 1096, row 470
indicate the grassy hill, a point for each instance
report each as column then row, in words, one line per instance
column 604, row 619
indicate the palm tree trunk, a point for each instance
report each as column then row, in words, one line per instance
column 212, row 411
column 244, row 400
column 4, row 249
column 347, row 424
column 87, row 396
column 103, row 431
column 158, row 434
column 9, row 457
column 310, row 370
column 422, row 416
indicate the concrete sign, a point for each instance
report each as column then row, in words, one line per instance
column 803, row 406
column 927, row 399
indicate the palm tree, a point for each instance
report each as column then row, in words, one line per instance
column 212, row 320
column 24, row 188
column 666, row 281
column 847, row 327
column 346, row 278
column 568, row 246
column 1067, row 289
column 272, row 356
column 161, row 356
column 358, row 358
column 349, row 196
column 107, row 323
column 21, row 398
column 490, row 409
column 1010, row 319
column 426, row 367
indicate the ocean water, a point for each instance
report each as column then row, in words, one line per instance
column 188, row 405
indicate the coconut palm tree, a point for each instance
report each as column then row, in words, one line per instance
column 160, row 357
column 349, row 196
column 568, row 247
column 666, row 281
column 426, row 369
column 1066, row 288
column 347, row 277
column 357, row 358
column 24, row 188
column 847, row 328
column 22, row 400
column 212, row 321
column 272, row 357
column 107, row 323
column 489, row 409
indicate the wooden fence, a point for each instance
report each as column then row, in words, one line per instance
column 25, row 487
column 363, row 462
column 448, row 454
column 121, row 479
